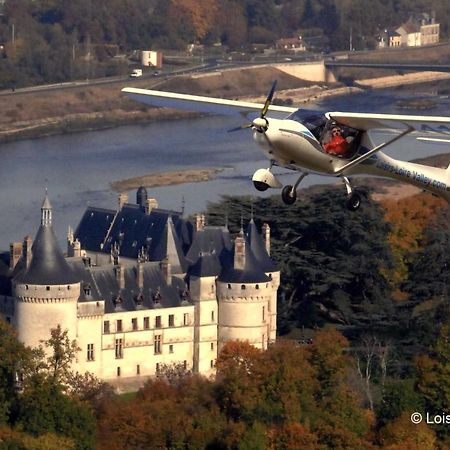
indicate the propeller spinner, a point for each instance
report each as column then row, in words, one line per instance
column 260, row 123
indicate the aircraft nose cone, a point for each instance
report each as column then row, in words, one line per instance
column 261, row 123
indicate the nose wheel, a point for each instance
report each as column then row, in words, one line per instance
column 289, row 195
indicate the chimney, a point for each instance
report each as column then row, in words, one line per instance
column 70, row 241
column 123, row 198
column 199, row 222
column 15, row 252
column 266, row 237
column 120, row 276
column 115, row 250
column 150, row 204
column 76, row 248
column 166, row 269
column 239, row 251
column 27, row 255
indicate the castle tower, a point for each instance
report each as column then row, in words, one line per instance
column 247, row 293
column 260, row 247
column 202, row 286
column 46, row 291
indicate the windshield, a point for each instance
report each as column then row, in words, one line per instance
column 313, row 120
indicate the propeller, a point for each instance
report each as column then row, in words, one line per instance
column 260, row 123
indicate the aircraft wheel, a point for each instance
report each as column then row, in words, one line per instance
column 353, row 201
column 260, row 186
column 288, row 196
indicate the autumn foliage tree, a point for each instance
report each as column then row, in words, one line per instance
column 409, row 218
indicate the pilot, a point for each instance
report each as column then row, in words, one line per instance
column 338, row 145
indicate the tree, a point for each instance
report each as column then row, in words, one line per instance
column 434, row 376
column 16, row 362
column 44, row 408
column 399, row 396
column 334, row 264
column 403, row 434
column 62, row 352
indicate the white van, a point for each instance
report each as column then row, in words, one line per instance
column 136, row 73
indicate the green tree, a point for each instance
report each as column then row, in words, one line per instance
column 16, row 362
column 44, row 408
column 333, row 262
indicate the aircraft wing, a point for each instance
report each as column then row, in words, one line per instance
column 362, row 121
column 201, row 104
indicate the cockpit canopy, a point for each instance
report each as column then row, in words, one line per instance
column 313, row 120
column 322, row 128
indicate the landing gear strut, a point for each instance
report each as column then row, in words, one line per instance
column 353, row 201
column 289, row 193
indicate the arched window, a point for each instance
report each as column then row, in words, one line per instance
column 243, row 287
column 257, row 286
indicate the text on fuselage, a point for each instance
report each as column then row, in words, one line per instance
column 414, row 175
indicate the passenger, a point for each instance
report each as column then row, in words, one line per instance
column 338, row 145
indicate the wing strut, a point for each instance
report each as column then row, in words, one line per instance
column 376, row 149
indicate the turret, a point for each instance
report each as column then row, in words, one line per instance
column 46, row 290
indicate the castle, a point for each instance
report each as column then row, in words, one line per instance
column 140, row 288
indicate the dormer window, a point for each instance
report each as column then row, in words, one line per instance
column 157, row 296
column 87, row 290
column 139, row 299
column 118, row 301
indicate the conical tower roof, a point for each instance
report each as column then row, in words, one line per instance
column 255, row 241
column 47, row 265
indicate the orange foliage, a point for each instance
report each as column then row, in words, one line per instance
column 409, row 217
column 402, row 434
column 202, row 14
column 292, row 436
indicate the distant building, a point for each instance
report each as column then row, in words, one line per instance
column 152, row 59
column 419, row 30
column 410, row 34
column 141, row 288
column 290, row 45
column 389, row 38
column 429, row 29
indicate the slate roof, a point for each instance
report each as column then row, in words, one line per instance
column 104, row 285
column 207, row 265
column 47, row 265
column 93, row 228
column 254, row 239
column 158, row 232
column 212, row 239
column 252, row 272
column 212, row 253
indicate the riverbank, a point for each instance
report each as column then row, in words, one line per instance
column 159, row 179
column 31, row 115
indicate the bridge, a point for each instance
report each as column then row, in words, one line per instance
column 417, row 67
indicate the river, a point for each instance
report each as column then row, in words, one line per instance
column 77, row 169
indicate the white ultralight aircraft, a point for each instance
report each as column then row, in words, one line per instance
column 336, row 144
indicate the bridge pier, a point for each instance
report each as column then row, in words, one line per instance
column 312, row 71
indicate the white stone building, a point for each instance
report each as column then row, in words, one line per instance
column 142, row 288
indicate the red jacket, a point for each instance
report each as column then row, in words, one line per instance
column 337, row 146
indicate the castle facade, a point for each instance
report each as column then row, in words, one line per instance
column 141, row 288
